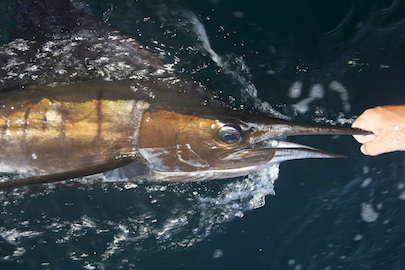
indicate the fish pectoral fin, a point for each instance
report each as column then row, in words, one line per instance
column 57, row 177
column 131, row 170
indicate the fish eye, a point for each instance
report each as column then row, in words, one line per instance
column 229, row 134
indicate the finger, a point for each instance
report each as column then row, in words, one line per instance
column 364, row 150
column 361, row 123
column 377, row 146
column 371, row 150
column 365, row 138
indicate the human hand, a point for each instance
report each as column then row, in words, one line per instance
column 387, row 123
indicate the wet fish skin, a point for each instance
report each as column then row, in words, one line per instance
column 162, row 128
column 42, row 131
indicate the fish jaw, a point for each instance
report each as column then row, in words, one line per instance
column 292, row 151
column 247, row 161
column 273, row 152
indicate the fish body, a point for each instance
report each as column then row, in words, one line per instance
column 163, row 128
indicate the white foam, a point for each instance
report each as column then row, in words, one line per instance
column 291, row 262
column 251, row 191
column 402, row 195
column 199, row 31
column 14, row 237
column 366, row 182
column 316, row 92
column 238, row 14
column 358, row 237
column 294, row 91
column 303, row 106
column 20, row 44
column 218, row 253
column 368, row 214
column 343, row 94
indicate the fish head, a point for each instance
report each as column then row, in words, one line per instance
column 223, row 144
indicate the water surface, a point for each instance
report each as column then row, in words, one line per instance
column 311, row 61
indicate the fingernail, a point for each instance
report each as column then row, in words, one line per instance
column 364, row 151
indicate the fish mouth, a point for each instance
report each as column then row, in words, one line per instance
column 270, row 152
column 291, row 151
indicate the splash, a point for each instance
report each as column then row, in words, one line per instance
column 343, row 94
column 151, row 215
column 199, row 30
column 228, row 64
column 316, row 92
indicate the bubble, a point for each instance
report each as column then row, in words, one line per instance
column 218, row 253
column 316, row 91
column 358, row 237
column 295, row 90
column 238, row 14
column 366, row 182
column 368, row 214
column 343, row 94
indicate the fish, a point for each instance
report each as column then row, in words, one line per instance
column 154, row 124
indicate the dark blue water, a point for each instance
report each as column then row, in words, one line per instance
column 340, row 57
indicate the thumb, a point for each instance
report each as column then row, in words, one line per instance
column 370, row 149
column 363, row 149
column 365, row 138
column 376, row 147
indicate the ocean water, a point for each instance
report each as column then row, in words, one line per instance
column 314, row 61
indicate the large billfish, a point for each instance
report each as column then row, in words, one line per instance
column 154, row 126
